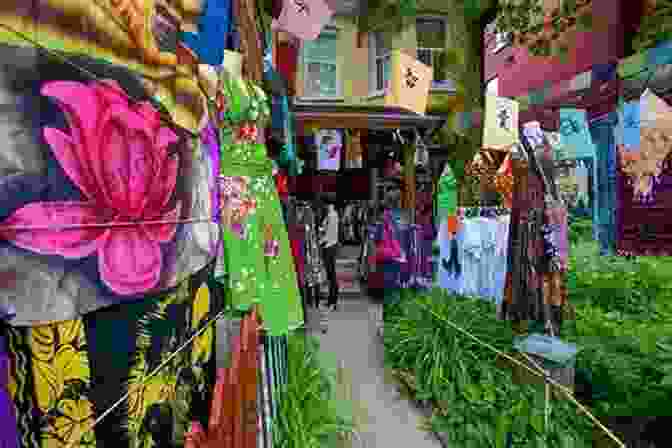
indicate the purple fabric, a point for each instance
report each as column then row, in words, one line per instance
column 210, row 139
column 9, row 437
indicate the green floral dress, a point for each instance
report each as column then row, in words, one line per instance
column 256, row 264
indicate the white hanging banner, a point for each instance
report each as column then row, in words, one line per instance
column 304, row 19
column 409, row 84
column 500, row 130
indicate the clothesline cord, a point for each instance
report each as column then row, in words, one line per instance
column 105, row 224
column 153, row 373
column 566, row 391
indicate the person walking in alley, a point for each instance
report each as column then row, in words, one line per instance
column 329, row 242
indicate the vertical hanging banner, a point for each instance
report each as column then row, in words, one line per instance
column 627, row 132
column 500, row 130
column 304, row 19
column 410, row 81
column 329, row 145
column 574, row 133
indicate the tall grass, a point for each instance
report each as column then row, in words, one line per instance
column 310, row 415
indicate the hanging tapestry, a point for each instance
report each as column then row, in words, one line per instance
column 303, row 19
column 534, row 291
column 214, row 23
column 65, row 374
column 604, row 183
column 329, row 146
column 101, row 199
column 410, row 81
column 645, row 181
column 643, row 166
column 574, row 133
column 141, row 36
column 257, row 257
column 500, row 129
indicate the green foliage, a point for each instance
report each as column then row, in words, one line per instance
column 477, row 402
column 655, row 27
column 309, row 414
column 624, row 325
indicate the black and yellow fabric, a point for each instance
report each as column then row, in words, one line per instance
column 65, row 374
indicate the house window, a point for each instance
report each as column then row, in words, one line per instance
column 320, row 73
column 379, row 75
column 492, row 87
column 431, row 37
column 502, row 40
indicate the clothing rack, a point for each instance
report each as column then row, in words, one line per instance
column 483, row 212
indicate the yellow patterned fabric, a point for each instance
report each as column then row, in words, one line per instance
column 138, row 34
column 52, row 380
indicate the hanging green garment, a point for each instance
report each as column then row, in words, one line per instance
column 257, row 257
column 447, row 194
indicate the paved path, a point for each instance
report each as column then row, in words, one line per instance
column 388, row 420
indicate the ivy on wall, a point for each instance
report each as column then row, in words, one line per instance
column 656, row 25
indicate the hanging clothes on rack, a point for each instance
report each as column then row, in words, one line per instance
column 473, row 261
column 535, row 283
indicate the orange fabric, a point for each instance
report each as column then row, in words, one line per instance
column 453, row 224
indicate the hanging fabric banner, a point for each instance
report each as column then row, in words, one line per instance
column 574, row 133
column 304, row 19
column 627, row 132
column 559, row 150
column 501, row 122
column 409, row 84
column 329, row 144
column 644, row 166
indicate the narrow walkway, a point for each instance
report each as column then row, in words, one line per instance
column 389, row 419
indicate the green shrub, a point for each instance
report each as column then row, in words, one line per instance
column 477, row 401
column 309, row 416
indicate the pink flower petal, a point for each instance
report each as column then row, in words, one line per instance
column 68, row 243
column 164, row 233
column 129, row 261
column 146, row 110
column 113, row 160
column 163, row 186
column 65, row 151
column 110, row 92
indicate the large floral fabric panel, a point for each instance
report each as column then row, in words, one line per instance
column 64, row 375
column 139, row 35
column 102, row 199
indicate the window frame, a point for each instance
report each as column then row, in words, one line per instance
column 373, row 67
column 306, row 95
column 494, row 79
column 446, row 84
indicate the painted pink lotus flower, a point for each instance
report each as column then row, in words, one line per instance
column 116, row 153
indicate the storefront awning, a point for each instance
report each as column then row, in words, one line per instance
column 330, row 116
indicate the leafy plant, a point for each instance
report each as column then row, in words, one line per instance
column 476, row 401
column 309, row 416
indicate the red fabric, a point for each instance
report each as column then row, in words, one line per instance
column 281, row 185
column 286, row 62
column 298, row 258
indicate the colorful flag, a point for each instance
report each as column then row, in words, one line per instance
column 574, row 133
column 304, row 19
column 410, row 81
column 500, row 130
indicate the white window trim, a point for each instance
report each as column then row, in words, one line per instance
column 373, row 58
column 502, row 40
column 329, row 29
column 488, row 83
column 447, row 85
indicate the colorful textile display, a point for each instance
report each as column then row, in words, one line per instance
column 645, row 180
column 90, row 183
column 257, row 253
column 504, row 181
column 575, row 134
column 500, row 128
column 533, row 291
column 329, row 145
column 410, row 81
column 64, row 374
column 214, row 25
